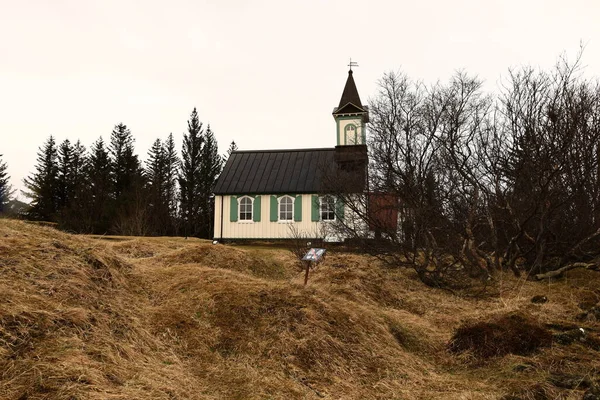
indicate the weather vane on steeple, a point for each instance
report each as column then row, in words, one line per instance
column 352, row 64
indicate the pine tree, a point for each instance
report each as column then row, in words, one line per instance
column 232, row 147
column 155, row 166
column 125, row 164
column 42, row 186
column 78, row 167
column 98, row 178
column 210, row 168
column 161, row 173
column 65, row 158
column 128, row 184
column 189, row 175
column 158, row 208
column 171, row 168
column 5, row 189
column 71, row 186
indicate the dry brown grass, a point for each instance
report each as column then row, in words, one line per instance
column 71, row 324
column 168, row 318
column 513, row 333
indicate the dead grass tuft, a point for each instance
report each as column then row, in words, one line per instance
column 260, row 264
column 135, row 248
column 513, row 333
column 538, row 391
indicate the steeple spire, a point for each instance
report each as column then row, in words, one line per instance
column 350, row 94
column 351, row 116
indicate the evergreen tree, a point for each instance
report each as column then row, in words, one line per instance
column 98, row 179
column 155, row 166
column 171, row 169
column 210, row 167
column 65, row 159
column 190, row 176
column 158, row 207
column 42, row 186
column 5, row 190
column 125, row 164
column 78, row 167
column 232, row 147
column 128, row 184
column 71, row 186
column 161, row 173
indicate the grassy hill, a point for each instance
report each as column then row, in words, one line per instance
column 167, row 318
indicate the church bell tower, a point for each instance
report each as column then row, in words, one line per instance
column 351, row 116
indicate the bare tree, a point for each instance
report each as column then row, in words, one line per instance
column 423, row 164
column 551, row 169
column 477, row 183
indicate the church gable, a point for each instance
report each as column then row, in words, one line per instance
column 349, row 108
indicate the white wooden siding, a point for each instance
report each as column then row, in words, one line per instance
column 265, row 229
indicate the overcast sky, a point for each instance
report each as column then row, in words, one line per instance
column 266, row 74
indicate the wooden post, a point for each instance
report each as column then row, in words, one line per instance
column 306, row 273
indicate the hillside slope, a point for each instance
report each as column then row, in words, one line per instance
column 167, row 318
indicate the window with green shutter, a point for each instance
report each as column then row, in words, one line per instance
column 314, row 208
column 286, row 208
column 256, row 216
column 245, row 208
column 339, row 209
column 298, row 208
column 233, row 209
column 273, row 209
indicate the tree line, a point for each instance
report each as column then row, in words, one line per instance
column 107, row 189
column 483, row 183
column 5, row 188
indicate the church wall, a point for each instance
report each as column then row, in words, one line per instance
column 265, row 228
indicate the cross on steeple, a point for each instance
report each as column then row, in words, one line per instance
column 352, row 64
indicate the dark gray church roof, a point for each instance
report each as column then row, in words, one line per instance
column 275, row 171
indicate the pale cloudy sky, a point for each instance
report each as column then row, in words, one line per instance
column 266, row 74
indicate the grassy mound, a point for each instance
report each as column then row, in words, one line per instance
column 70, row 323
column 169, row 318
column 135, row 249
column 225, row 257
column 513, row 333
column 270, row 338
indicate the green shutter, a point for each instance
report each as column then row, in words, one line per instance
column 314, row 208
column 339, row 209
column 233, row 209
column 274, row 209
column 298, row 208
column 256, row 209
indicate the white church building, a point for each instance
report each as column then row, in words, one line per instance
column 268, row 194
